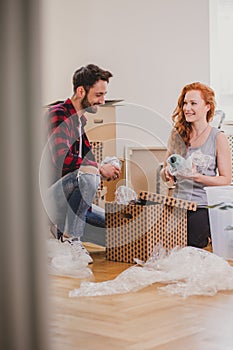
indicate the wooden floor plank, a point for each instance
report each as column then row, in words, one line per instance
column 143, row 320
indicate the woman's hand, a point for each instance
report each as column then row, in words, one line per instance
column 194, row 175
column 169, row 179
column 190, row 174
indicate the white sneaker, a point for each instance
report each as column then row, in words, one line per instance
column 80, row 251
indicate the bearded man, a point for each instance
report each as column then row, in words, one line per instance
column 74, row 173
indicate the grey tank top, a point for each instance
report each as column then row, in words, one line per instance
column 194, row 191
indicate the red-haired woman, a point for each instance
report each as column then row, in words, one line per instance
column 193, row 136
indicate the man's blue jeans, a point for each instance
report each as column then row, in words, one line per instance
column 69, row 200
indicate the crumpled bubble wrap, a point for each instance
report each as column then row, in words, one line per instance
column 125, row 195
column 179, row 166
column 112, row 160
column 201, row 160
column 64, row 262
column 185, row 271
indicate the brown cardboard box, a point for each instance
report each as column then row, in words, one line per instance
column 133, row 230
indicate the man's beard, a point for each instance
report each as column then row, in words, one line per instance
column 88, row 107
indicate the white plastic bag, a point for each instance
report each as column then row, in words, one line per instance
column 112, row 160
column 125, row 195
column 179, row 166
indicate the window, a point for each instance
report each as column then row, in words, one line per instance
column 221, row 54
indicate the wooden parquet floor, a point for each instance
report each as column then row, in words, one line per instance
column 143, row 320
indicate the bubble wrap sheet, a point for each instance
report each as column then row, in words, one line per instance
column 184, row 271
column 63, row 261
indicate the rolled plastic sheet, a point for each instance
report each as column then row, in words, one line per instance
column 177, row 165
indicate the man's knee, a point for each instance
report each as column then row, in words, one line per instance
column 88, row 169
column 89, row 182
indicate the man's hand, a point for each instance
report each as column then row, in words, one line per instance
column 109, row 171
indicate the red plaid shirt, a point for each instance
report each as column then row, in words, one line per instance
column 63, row 128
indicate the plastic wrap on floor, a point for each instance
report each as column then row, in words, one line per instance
column 64, row 262
column 184, row 271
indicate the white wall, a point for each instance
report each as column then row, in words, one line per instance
column 221, row 55
column 153, row 48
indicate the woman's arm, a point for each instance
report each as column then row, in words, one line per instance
column 224, row 165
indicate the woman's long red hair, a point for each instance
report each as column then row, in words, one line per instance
column 183, row 127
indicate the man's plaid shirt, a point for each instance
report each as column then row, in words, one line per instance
column 63, row 129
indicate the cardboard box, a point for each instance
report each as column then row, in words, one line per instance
column 133, row 230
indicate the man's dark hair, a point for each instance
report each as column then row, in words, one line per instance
column 89, row 75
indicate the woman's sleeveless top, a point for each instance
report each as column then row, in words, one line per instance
column 194, row 191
